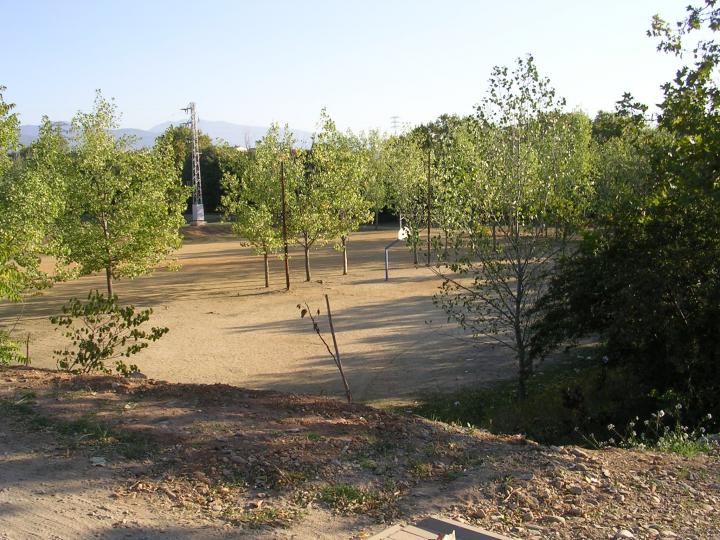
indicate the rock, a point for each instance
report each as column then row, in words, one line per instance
column 575, row 511
column 98, row 461
column 623, row 533
column 528, row 516
column 579, row 453
column 554, row 519
column 667, row 534
column 575, row 490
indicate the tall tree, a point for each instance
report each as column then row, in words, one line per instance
column 536, row 167
column 123, row 208
column 314, row 217
column 341, row 165
column 253, row 200
column 404, row 170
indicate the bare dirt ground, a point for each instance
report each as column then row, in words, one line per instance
column 226, row 327
column 112, row 458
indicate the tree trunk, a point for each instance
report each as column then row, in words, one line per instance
column 307, row 257
column 494, row 235
column 267, row 269
column 415, row 256
column 109, row 278
column 343, row 239
column 522, row 372
column 377, row 219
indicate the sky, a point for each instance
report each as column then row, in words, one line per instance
column 255, row 62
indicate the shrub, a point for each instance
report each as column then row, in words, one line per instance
column 101, row 331
column 10, row 350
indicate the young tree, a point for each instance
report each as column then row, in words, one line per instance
column 124, row 208
column 30, row 199
column 253, row 201
column 404, row 171
column 341, row 166
column 314, row 218
column 533, row 159
column 374, row 187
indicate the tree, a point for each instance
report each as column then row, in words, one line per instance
column 404, row 170
column 253, row 200
column 314, row 218
column 30, row 188
column 341, row 166
column 647, row 286
column 123, row 207
column 374, row 186
column 535, row 160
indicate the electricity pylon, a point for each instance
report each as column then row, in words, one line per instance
column 198, row 211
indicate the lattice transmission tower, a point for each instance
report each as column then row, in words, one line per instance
column 394, row 124
column 198, row 211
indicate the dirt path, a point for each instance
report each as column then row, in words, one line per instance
column 226, row 327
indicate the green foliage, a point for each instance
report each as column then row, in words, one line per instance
column 648, row 285
column 123, row 208
column 100, row 332
column 10, row 350
column 662, row 431
column 403, row 167
column 252, row 198
column 30, row 188
column 526, row 170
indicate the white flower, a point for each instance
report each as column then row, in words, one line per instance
column 709, row 416
column 661, row 413
column 611, row 426
column 678, row 406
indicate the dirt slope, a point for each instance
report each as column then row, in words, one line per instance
column 204, row 461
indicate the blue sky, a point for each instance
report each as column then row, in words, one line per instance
column 257, row 62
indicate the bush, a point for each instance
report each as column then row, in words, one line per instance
column 101, row 331
column 10, row 350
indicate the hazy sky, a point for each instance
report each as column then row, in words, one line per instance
column 254, row 62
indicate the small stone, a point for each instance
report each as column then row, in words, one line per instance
column 579, row 453
column 527, row 516
column 554, row 519
column 575, row 490
column 575, row 511
column 98, row 461
column 667, row 534
column 623, row 533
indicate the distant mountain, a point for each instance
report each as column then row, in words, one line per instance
column 233, row 134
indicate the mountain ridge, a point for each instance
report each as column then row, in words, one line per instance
column 217, row 130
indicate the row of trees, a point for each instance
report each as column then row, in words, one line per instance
column 309, row 197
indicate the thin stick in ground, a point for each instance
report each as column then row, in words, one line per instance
column 335, row 355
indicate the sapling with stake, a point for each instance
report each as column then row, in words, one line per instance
column 335, row 355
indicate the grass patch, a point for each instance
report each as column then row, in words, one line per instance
column 565, row 402
column 346, row 498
